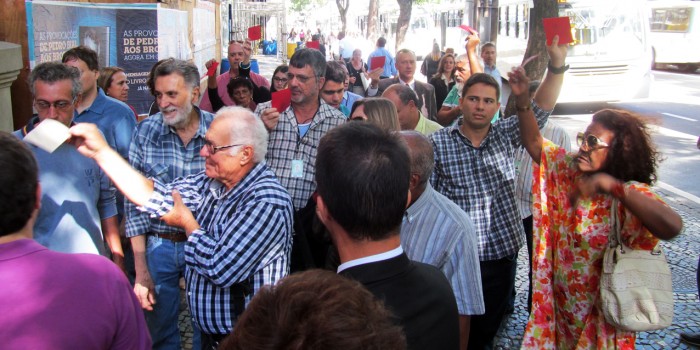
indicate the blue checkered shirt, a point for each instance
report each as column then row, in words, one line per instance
column 287, row 145
column 245, row 232
column 158, row 153
column 481, row 180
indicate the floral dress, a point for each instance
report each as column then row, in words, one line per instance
column 567, row 258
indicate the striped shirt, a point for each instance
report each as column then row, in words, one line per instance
column 523, row 166
column 245, row 232
column 287, row 147
column 157, row 152
column 481, row 181
column 436, row 231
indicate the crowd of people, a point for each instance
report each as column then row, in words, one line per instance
column 420, row 196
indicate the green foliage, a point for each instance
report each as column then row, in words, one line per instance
column 301, row 5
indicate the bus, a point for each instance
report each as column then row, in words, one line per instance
column 610, row 58
column 675, row 34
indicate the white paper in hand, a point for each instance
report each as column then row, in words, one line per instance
column 48, row 135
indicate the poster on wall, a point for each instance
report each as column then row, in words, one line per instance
column 123, row 35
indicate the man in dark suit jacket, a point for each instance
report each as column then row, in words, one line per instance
column 406, row 66
column 362, row 176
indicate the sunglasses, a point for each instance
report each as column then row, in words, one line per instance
column 591, row 141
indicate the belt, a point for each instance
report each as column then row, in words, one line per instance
column 175, row 237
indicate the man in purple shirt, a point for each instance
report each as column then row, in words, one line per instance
column 53, row 300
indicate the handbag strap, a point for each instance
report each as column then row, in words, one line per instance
column 615, row 236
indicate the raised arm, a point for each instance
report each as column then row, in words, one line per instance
column 90, row 143
column 530, row 136
column 548, row 92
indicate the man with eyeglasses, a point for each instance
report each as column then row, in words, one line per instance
column 78, row 210
column 236, row 216
column 165, row 146
column 239, row 52
column 296, row 131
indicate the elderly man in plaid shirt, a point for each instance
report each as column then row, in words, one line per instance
column 296, row 131
column 235, row 214
column 474, row 167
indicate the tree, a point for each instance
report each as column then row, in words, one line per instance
column 343, row 10
column 372, row 20
column 536, row 44
column 405, row 8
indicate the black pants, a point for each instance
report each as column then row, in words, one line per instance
column 527, row 224
column 212, row 341
column 497, row 280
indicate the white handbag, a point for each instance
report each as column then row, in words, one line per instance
column 636, row 290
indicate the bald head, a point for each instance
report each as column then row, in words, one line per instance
column 422, row 157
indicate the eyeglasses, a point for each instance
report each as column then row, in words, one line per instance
column 591, row 141
column 281, row 80
column 60, row 105
column 213, row 149
column 301, row 78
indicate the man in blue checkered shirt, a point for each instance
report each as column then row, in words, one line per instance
column 474, row 167
column 235, row 214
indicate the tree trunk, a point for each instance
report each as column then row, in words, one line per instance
column 343, row 10
column 536, row 45
column 372, row 20
column 405, row 7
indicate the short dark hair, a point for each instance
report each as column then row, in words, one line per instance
column 405, row 94
column 83, row 53
column 281, row 68
column 362, row 174
column 336, row 71
column 315, row 310
column 487, row 45
column 186, row 70
column 381, row 42
column 481, row 78
column 309, row 57
column 150, row 81
column 51, row 72
column 18, row 184
column 237, row 82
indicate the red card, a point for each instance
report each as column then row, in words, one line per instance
column 212, row 70
column 313, row 45
column 254, row 33
column 557, row 26
column 469, row 29
column 377, row 62
column 281, row 100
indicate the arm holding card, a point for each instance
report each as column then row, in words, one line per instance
column 270, row 117
column 212, row 86
column 548, row 92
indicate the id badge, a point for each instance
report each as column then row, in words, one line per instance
column 297, row 168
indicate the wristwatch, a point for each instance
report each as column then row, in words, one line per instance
column 557, row 70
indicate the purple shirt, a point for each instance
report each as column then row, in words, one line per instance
column 52, row 300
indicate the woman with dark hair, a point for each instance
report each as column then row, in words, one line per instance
column 113, row 82
column 279, row 78
column 444, row 79
column 574, row 195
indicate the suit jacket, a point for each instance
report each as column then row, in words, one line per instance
column 418, row 295
column 425, row 92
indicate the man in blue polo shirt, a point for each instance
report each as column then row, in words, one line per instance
column 114, row 118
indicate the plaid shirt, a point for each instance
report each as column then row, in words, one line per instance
column 158, row 153
column 481, row 180
column 286, row 145
column 245, row 232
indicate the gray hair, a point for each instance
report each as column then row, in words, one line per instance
column 51, row 72
column 246, row 129
column 406, row 51
column 421, row 152
column 405, row 94
column 309, row 57
column 187, row 70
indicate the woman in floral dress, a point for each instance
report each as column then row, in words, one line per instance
column 573, row 196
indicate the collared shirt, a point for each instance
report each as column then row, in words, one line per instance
column 114, row 119
column 221, row 83
column 481, row 180
column 349, row 99
column 370, row 259
column 426, row 126
column 157, row 152
column 495, row 73
column 287, row 148
column 436, row 231
column 523, row 166
column 389, row 65
column 76, row 196
column 245, row 233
